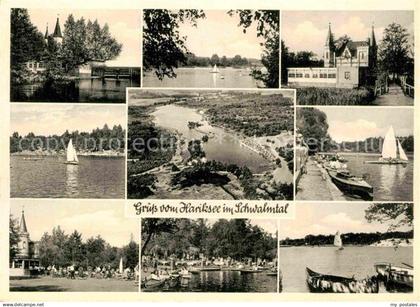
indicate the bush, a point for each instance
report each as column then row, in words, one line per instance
column 334, row 96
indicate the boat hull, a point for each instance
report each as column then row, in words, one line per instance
column 71, row 162
column 365, row 192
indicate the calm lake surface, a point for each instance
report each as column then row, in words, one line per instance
column 93, row 177
column 228, row 281
column 221, row 146
column 83, row 90
column 390, row 182
column 353, row 260
column 202, row 77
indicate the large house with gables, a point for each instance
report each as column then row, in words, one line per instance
column 347, row 64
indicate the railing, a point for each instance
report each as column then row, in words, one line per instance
column 407, row 88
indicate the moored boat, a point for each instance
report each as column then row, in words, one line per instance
column 395, row 276
column 350, row 184
column 323, row 283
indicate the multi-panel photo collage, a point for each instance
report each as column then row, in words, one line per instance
column 311, row 108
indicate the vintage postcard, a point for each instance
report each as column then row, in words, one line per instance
column 210, row 151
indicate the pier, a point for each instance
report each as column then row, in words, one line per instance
column 316, row 184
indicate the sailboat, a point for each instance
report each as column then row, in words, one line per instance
column 71, row 154
column 337, row 241
column 215, row 70
column 392, row 151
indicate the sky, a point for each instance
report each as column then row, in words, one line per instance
column 357, row 124
column 307, row 30
column 48, row 119
column 90, row 218
column 219, row 34
column 327, row 219
column 124, row 26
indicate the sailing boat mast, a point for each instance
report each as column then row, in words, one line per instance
column 71, row 154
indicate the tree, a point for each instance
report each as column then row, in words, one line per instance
column 26, row 44
column 313, row 125
column 268, row 26
column 13, row 237
column 394, row 50
column 74, row 248
column 152, row 227
column 401, row 214
column 131, row 254
column 85, row 42
column 163, row 47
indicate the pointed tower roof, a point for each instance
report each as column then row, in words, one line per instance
column 46, row 32
column 22, row 225
column 329, row 39
column 372, row 37
column 57, row 30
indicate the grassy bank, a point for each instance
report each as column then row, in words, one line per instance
column 334, row 96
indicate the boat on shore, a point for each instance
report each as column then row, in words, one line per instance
column 350, row 184
column 395, row 276
column 392, row 151
column 323, row 283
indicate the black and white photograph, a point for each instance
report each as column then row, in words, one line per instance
column 210, row 144
column 67, row 151
column 337, row 248
column 211, row 48
column 74, row 55
column 349, row 57
column 354, row 155
column 208, row 255
column 72, row 246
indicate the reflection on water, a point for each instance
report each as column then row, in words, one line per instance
column 93, row 177
column 202, row 77
column 227, row 281
column 71, row 179
column 83, row 90
column 357, row 261
column 222, row 146
column 390, row 182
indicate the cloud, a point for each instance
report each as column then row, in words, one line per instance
column 354, row 130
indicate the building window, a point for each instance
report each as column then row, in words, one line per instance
column 347, row 75
column 292, row 75
column 314, row 75
column 331, row 76
column 323, row 75
column 327, row 55
column 307, row 76
column 299, row 75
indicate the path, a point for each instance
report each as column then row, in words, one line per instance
column 395, row 97
column 317, row 185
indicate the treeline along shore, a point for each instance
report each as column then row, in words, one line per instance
column 99, row 142
column 398, row 237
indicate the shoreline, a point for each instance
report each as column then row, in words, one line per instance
column 56, row 154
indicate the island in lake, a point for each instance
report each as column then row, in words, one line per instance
column 210, row 144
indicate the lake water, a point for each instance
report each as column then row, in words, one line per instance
column 224, row 146
column 83, row 90
column 93, row 177
column 352, row 260
column 202, row 77
column 227, row 281
column 390, row 182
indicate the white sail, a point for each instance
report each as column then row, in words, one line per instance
column 403, row 156
column 121, row 267
column 337, row 240
column 215, row 69
column 389, row 148
column 71, row 153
